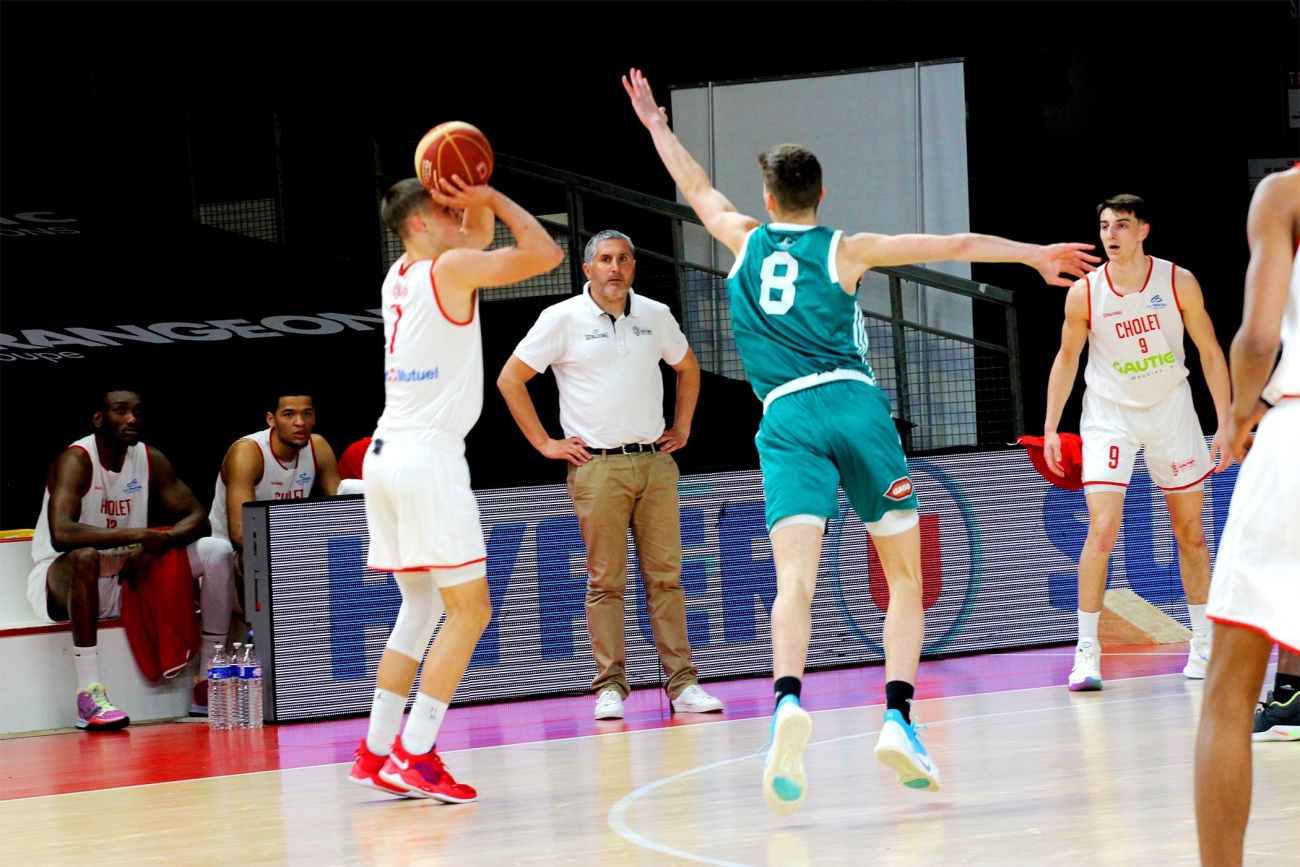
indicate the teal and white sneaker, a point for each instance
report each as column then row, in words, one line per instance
column 899, row 748
column 784, row 784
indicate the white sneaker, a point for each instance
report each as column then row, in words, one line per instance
column 902, row 751
column 694, row 699
column 609, row 704
column 784, row 783
column 1198, row 657
column 1086, row 674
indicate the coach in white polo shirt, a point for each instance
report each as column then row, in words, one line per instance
column 605, row 346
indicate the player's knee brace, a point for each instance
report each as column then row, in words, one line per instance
column 893, row 522
column 419, row 615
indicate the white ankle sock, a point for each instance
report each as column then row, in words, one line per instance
column 422, row 727
column 87, row 660
column 385, row 721
column 1088, row 625
column 1200, row 625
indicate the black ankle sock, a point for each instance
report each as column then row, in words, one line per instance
column 1285, row 686
column 898, row 696
column 787, row 686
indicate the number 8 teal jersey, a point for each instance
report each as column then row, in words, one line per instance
column 789, row 316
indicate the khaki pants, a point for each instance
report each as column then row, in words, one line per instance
column 611, row 493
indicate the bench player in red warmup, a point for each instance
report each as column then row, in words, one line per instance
column 1132, row 314
column 421, row 514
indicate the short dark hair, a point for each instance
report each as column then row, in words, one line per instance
column 1125, row 203
column 100, row 397
column 793, row 175
column 275, row 396
column 403, row 199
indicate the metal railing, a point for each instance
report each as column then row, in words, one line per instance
column 953, row 380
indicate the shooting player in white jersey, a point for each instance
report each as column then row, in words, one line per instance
column 1132, row 313
column 1255, row 596
column 420, row 511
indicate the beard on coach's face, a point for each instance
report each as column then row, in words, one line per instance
column 611, row 269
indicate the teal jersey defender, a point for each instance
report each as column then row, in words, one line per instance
column 789, row 315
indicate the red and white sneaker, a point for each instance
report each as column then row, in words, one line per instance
column 424, row 776
column 365, row 772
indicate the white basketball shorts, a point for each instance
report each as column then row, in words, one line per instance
column 110, row 591
column 420, row 511
column 1169, row 433
column 1256, row 581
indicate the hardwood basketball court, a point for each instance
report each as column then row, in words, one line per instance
column 1032, row 775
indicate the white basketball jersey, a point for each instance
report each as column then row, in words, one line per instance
column 1285, row 381
column 279, row 481
column 433, row 366
column 1135, row 341
column 113, row 501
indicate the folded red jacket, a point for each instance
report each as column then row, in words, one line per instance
column 1071, row 460
column 158, row 614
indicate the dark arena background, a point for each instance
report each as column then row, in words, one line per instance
column 189, row 200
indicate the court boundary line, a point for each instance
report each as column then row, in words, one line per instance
column 616, row 818
column 919, row 704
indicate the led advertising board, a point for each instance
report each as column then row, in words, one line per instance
column 999, row 552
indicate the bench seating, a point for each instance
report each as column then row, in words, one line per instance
column 40, row 680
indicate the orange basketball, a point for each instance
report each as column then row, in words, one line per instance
column 453, row 148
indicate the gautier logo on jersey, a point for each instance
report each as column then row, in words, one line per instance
column 394, row 374
column 1156, row 303
column 1151, row 362
column 132, row 487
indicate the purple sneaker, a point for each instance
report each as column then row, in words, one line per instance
column 96, row 714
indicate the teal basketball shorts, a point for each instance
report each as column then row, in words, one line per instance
column 840, row 433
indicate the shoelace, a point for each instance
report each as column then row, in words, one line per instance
column 100, row 697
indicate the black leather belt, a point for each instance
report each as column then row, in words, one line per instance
column 629, row 449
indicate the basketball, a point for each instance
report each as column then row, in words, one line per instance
column 453, row 148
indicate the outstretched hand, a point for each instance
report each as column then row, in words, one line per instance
column 643, row 99
column 1053, row 260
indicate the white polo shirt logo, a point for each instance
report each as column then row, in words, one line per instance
column 596, row 335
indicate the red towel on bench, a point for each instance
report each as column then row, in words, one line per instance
column 159, row 616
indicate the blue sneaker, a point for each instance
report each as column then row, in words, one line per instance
column 784, row 784
column 899, row 748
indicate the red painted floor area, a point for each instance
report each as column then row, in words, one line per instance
column 79, row 761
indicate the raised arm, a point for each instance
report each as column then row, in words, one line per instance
column 327, row 467
column 68, row 481
column 242, row 470
column 1074, row 334
column 1214, row 365
column 462, row 270
column 1271, row 229
column 719, row 216
column 513, row 384
column 178, row 501
column 859, row 253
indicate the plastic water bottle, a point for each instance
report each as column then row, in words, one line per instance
column 235, row 707
column 238, row 704
column 250, row 689
column 219, row 683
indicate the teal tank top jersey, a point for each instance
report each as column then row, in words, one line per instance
column 803, row 342
column 789, row 316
